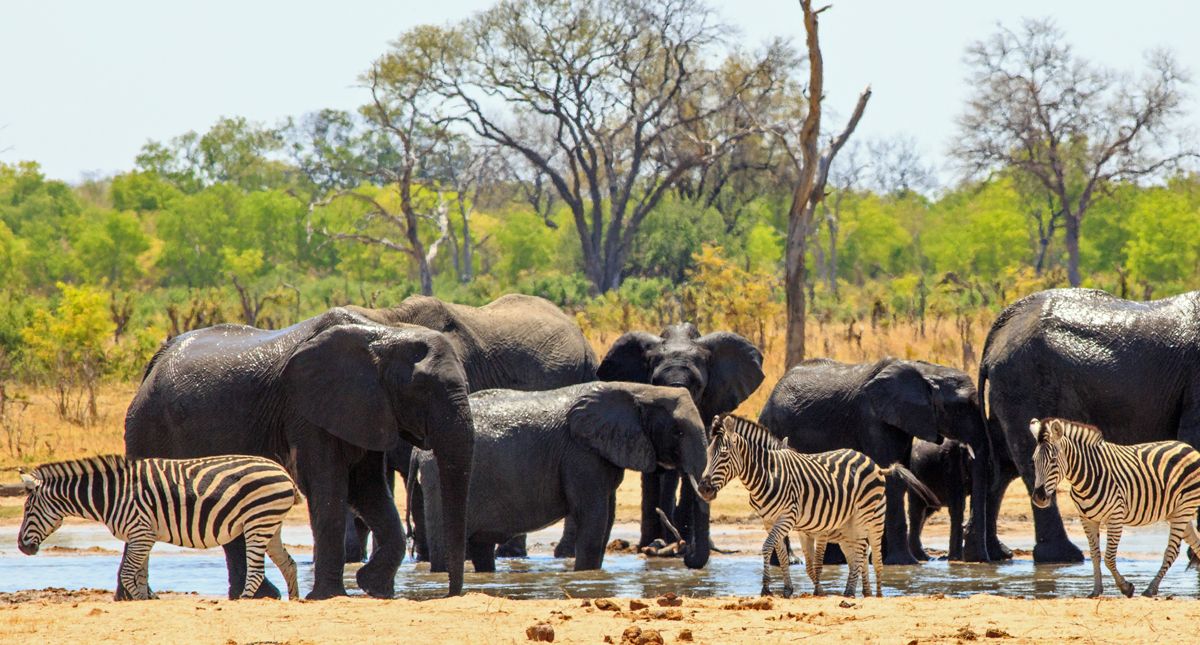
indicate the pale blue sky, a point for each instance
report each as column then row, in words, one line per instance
column 84, row 84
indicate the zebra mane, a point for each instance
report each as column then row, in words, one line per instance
column 75, row 467
column 754, row 433
column 1085, row 432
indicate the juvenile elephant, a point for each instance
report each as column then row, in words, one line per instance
column 516, row 342
column 544, row 456
column 1131, row 368
column 946, row 470
column 326, row 397
column 878, row 408
column 719, row 370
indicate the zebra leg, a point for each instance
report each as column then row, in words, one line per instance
column 284, row 562
column 865, row 562
column 876, row 538
column 134, row 570
column 257, row 540
column 1177, row 530
column 1092, row 530
column 775, row 535
column 822, row 541
column 1193, row 539
column 853, row 565
column 781, row 553
column 1113, row 532
column 807, row 544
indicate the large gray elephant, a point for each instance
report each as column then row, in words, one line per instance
column 544, row 456
column 515, row 342
column 326, row 397
column 878, row 408
column 1130, row 368
column 719, row 370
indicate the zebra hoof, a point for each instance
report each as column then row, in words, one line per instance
column 1095, row 593
column 766, row 592
column 1150, row 593
column 1127, row 589
column 787, row 592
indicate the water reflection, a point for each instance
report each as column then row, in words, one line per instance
column 183, row 570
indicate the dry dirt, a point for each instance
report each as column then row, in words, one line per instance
column 91, row 616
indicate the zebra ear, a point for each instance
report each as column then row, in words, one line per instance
column 29, row 482
column 1035, row 427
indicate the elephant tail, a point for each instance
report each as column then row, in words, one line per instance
column 913, row 484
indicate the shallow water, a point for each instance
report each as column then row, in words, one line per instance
column 541, row 576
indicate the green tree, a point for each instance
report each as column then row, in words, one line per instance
column 1162, row 253
column 108, row 245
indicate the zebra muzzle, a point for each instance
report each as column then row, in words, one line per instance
column 1039, row 498
column 28, row 549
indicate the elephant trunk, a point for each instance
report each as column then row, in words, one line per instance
column 453, row 445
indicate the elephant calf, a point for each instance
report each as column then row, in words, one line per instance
column 946, row 470
column 544, row 456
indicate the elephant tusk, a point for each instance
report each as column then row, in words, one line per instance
column 970, row 451
column 696, row 489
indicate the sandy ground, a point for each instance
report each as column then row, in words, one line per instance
column 90, row 616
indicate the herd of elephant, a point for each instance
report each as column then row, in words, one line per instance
column 502, row 421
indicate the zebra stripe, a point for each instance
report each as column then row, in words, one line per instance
column 199, row 503
column 1116, row 486
column 833, row 496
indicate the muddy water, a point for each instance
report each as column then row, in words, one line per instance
column 541, row 576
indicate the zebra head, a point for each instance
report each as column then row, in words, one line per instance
column 724, row 458
column 41, row 516
column 1046, row 473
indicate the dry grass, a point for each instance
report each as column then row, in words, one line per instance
column 52, row 438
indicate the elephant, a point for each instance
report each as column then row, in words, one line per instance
column 327, row 398
column 878, row 408
column 517, row 342
column 544, row 456
column 945, row 469
column 720, row 370
column 1131, row 368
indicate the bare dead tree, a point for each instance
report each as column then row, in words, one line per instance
column 897, row 167
column 812, row 165
column 846, row 175
column 606, row 78
column 404, row 114
column 1068, row 123
column 120, row 309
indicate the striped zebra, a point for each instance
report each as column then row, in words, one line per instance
column 198, row 503
column 835, row 496
column 1116, row 486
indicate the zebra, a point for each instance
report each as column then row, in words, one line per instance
column 1116, row 486
column 835, row 496
column 198, row 503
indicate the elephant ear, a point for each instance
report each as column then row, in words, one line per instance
column 608, row 420
column 628, row 359
column 734, row 372
column 903, row 399
column 333, row 381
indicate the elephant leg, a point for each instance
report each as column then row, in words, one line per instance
column 566, row 544
column 1052, row 543
column 356, row 537
column 482, row 555
column 323, row 477
column 420, row 533
column 895, row 532
column 235, row 563
column 956, row 506
column 834, row 554
column 917, row 512
column 515, row 548
column 650, row 524
column 592, row 518
column 996, row 549
column 370, row 496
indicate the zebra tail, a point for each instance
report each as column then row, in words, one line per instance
column 913, row 483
